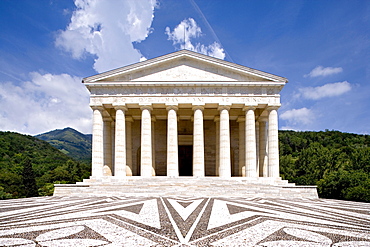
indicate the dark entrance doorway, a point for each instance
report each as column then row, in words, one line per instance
column 186, row 160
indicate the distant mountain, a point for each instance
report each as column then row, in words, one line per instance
column 70, row 142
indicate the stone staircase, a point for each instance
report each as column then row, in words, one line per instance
column 186, row 186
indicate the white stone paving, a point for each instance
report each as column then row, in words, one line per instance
column 182, row 221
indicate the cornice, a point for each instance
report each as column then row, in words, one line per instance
column 184, row 83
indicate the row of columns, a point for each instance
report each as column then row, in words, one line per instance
column 262, row 162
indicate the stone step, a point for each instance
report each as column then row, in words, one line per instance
column 187, row 186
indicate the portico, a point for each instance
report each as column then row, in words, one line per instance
column 185, row 114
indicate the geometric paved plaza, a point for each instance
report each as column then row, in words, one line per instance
column 182, row 221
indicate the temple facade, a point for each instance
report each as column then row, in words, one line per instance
column 185, row 114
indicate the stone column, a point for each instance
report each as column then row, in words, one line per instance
column 262, row 148
column 113, row 138
column 129, row 168
column 250, row 142
column 97, row 143
column 257, row 148
column 146, row 141
column 241, row 121
column 217, row 121
column 198, row 142
column 120, row 140
column 153, row 146
column 172, row 142
column 273, row 143
column 225, row 159
column 108, row 166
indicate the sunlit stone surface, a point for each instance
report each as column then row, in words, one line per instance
column 182, row 221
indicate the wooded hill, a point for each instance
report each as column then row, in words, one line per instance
column 338, row 163
column 30, row 166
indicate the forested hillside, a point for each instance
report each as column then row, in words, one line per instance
column 70, row 142
column 30, row 167
column 338, row 163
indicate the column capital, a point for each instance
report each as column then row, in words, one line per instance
column 198, row 107
column 240, row 119
column 171, row 107
column 223, row 107
column 107, row 118
column 217, row 119
column 120, row 107
column 129, row 119
column 97, row 107
column 263, row 119
column 272, row 107
column 146, row 107
column 249, row 107
column 154, row 119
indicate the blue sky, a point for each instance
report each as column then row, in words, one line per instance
column 48, row 46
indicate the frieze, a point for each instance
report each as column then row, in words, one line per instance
column 184, row 90
column 96, row 100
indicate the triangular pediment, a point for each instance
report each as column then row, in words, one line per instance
column 184, row 66
column 184, row 72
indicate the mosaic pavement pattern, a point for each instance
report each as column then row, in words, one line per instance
column 182, row 221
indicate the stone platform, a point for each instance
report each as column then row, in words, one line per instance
column 187, row 186
column 182, row 221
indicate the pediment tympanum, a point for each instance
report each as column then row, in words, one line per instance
column 181, row 73
column 184, row 70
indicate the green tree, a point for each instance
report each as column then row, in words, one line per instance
column 348, row 185
column 360, row 159
column 74, row 169
column 358, row 193
column 311, row 164
column 338, row 163
column 4, row 195
column 28, row 178
column 287, row 167
column 47, row 190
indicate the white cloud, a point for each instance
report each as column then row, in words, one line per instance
column 107, row 29
column 328, row 90
column 185, row 32
column 321, row 71
column 298, row 116
column 44, row 103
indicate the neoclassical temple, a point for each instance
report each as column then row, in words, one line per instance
column 185, row 114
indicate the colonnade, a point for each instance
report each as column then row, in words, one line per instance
column 258, row 142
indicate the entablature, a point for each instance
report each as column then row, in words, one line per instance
column 185, row 90
column 192, row 100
